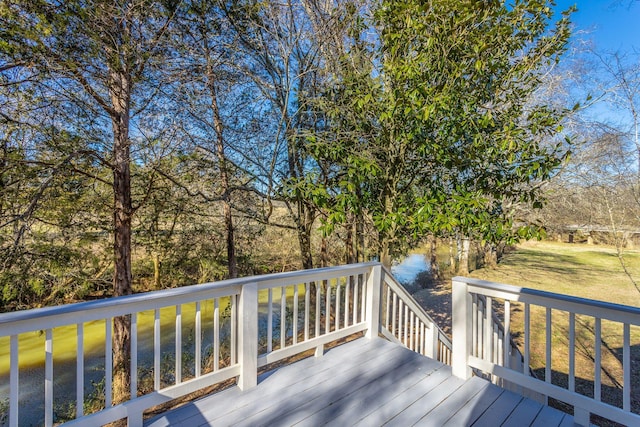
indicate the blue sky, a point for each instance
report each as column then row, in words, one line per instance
column 611, row 24
column 608, row 26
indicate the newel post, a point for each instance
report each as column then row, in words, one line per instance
column 461, row 329
column 248, row 336
column 374, row 288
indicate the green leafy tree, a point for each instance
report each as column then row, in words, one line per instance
column 49, row 209
column 207, row 82
column 439, row 128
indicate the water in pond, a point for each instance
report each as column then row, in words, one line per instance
column 31, row 355
column 407, row 270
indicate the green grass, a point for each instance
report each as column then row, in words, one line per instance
column 586, row 271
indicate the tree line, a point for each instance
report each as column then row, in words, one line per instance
column 168, row 142
column 156, row 125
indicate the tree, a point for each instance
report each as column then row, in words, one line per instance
column 97, row 53
column 49, row 210
column 623, row 95
column 206, row 70
column 280, row 46
column 599, row 189
column 441, row 131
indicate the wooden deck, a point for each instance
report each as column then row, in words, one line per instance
column 365, row 383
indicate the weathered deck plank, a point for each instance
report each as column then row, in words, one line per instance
column 441, row 413
column 280, row 400
column 474, row 408
column 548, row 417
column 499, row 410
column 386, row 411
column 524, row 414
column 341, row 406
column 334, row 390
column 367, row 383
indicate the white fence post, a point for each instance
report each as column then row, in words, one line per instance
column 374, row 286
column 248, row 336
column 581, row 416
column 461, row 330
column 432, row 342
column 14, row 394
column 135, row 419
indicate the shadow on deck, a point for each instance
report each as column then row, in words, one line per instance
column 366, row 383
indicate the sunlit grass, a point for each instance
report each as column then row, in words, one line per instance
column 586, row 271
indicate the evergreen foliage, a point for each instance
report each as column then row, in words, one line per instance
column 214, row 133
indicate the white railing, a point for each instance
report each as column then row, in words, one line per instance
column 493, row 342
column 406, row 323
column 203, row 334
column 478, row 346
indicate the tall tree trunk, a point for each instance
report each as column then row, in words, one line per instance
column 385, row 253
column 304, row 239
column 452, row 258
column 463, row 261
column 360, row 249
column 324, row 254
column 305, row 224
column 120, row 91
column 350, row 243
column 433, row 260
column 224, row 174
column 387, row 236
column 490, row 256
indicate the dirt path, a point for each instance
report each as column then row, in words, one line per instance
column 437, row 303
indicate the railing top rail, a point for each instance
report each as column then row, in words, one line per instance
column 317, row 274
column 602, row 309
column 116, row 306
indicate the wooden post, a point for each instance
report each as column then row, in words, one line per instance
column 581, row 416
column 14, row 395
column 461, row 329
column 374, row 286
column 432, row 342
column 248, row 336
column 134, row 419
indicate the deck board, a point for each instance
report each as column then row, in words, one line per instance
column 344, row 403
column 332, row 395
column 547, row 417
column 474, row 408
column 447, row 408
column 499, row 410
column 367, row 383
column 524, row 414
column 279, row 405
column 426, row 403
column 386, row 411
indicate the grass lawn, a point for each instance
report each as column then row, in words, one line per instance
column 586, row 271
